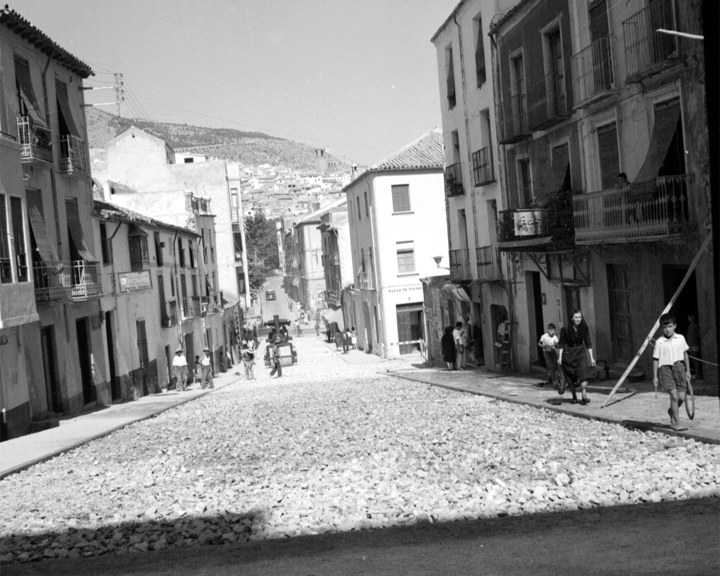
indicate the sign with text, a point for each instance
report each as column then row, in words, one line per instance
column 133, row 281
column 531, row 222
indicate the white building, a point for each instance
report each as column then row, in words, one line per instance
column 397, row 226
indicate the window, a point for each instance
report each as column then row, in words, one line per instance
column 18, row 228
column 450, row 78
column 191, row 252
column 525, row 191
column 181, row 254
column 608, row 155
column 27, row 102
column 479, row 53
column 406, row 261
column 5, row 264
column 362, row 259
column 234, row 204
column 202, row 234
column 139, row 259
column 105, row 245
column 158, row 249
column 557, row 72
column 358, row 208
column 401, row 198
column 367, row 210
column 455, row 137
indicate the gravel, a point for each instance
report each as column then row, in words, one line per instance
column 332, row 447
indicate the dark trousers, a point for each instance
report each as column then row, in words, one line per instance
column 277, row 367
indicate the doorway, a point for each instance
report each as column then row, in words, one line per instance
column 84, row 356
column 143, row 355
column 168, row 360
column 190, row 352
column 686, row 302
column 115, row 389
column 52, row 389
column 409, row 325
column 535, row 316
column 620, row 317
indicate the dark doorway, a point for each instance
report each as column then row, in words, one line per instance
column 409, row 324
column 115, row 390
column 686, row 302
column 190, row 352
column 208, row 337
column 168, row 360
column 143, row 354
column 620, row 318
column 52, row 389
column 84, row 355
column 536, row 317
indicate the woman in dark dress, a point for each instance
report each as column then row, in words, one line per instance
column 574, row 349
column 447, row 344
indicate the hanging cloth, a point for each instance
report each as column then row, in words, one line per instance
column 64, row 107
column 27, row 93
column 37, row 222
column 75, row 230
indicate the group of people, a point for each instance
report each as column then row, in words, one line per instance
column 456, row 341
column 346, row 340
column 203, row 372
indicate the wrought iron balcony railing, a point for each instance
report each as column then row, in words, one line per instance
column 366, row 281
column 617, row 213
column 85, row 279
column 191, row 306
column 72, row 154
column 460, row 264
column 592, row 70
column 483, row 171
column 52, row 280
column 645, row 47
column 515, row 120
column 453, row 180
column 36, row 141
column 489, row 265
column 547, row 101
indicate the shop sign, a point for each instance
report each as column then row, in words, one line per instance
column 133, row 281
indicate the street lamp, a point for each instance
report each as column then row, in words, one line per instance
column 438, row 259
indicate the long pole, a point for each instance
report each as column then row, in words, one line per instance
column 657, row 322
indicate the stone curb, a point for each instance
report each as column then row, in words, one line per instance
column 646, row 427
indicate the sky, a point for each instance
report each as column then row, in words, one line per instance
column 358, row 77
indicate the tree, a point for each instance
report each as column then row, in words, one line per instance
column 262, row 251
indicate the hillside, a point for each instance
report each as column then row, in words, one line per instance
column 226, row 143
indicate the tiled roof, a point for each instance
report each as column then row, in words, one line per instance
column 112, row 212
column 447, row 20
column 42, row 42
column 425, row 152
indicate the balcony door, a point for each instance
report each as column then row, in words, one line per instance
column 558, row 106
column 620, row 318
column 600, row 38
column 85, row 360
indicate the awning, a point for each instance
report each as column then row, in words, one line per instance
column 666, row 121
column 76, row 232
column 64, row 105
column 135, row 230
column 336, row 316
column 27, row 93
column 458, row 292
column 37, row 222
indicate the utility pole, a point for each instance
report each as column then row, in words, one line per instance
column 119, row 91
column 241, row 221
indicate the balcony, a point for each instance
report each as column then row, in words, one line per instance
column 332, row 297
column 615, row 215
column 366, row 281
column 515, row 120
column 453, row 180
column 168, row 314
column 489, row 265
column 52, row 281
column 592, row 70
column 460, row 265
column 72, row 155
column 191, row 306
column 483, row 172
column 547, row 101
column 645, row 48
column 36, row 141
column 86, row 281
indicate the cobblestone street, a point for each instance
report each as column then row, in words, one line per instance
column 333, row 446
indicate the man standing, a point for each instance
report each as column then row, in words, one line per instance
column 275, row 361
column 180, row 370
column 206, row 380
column 460, row 339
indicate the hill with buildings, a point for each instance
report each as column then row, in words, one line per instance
column 246, row 147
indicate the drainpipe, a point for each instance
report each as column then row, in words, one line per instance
column 467, row 143
column 53, row 183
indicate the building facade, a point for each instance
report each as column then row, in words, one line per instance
column 396, row 212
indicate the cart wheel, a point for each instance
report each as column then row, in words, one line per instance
column 690, row 402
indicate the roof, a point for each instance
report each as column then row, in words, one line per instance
column 502, row 19
column 423, row 153
column 447, row 20
column 34, row 36
column 112, row 212
column 314, row 217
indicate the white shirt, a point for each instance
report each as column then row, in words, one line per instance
column 548, row 342
column 205, row 361
column 179, row 361
column 670, row 350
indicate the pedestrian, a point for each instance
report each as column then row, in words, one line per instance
column 275, row 361
column 353, row 338
column 317, row 326
column 248, row 358
column 574, row 349
column 180, row 370
column 347, row 340
column 694, row 352
column 198, row 369
column 338, row 339
column 206, row 380
column 549, row 342
column 671, row 368
column 459, row 339
column 447, row 346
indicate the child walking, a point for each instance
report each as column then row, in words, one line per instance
column 248, row 358
column 671, row 368
column 549, row 342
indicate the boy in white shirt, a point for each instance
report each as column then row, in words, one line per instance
column 548, row 343
column 671, row 368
